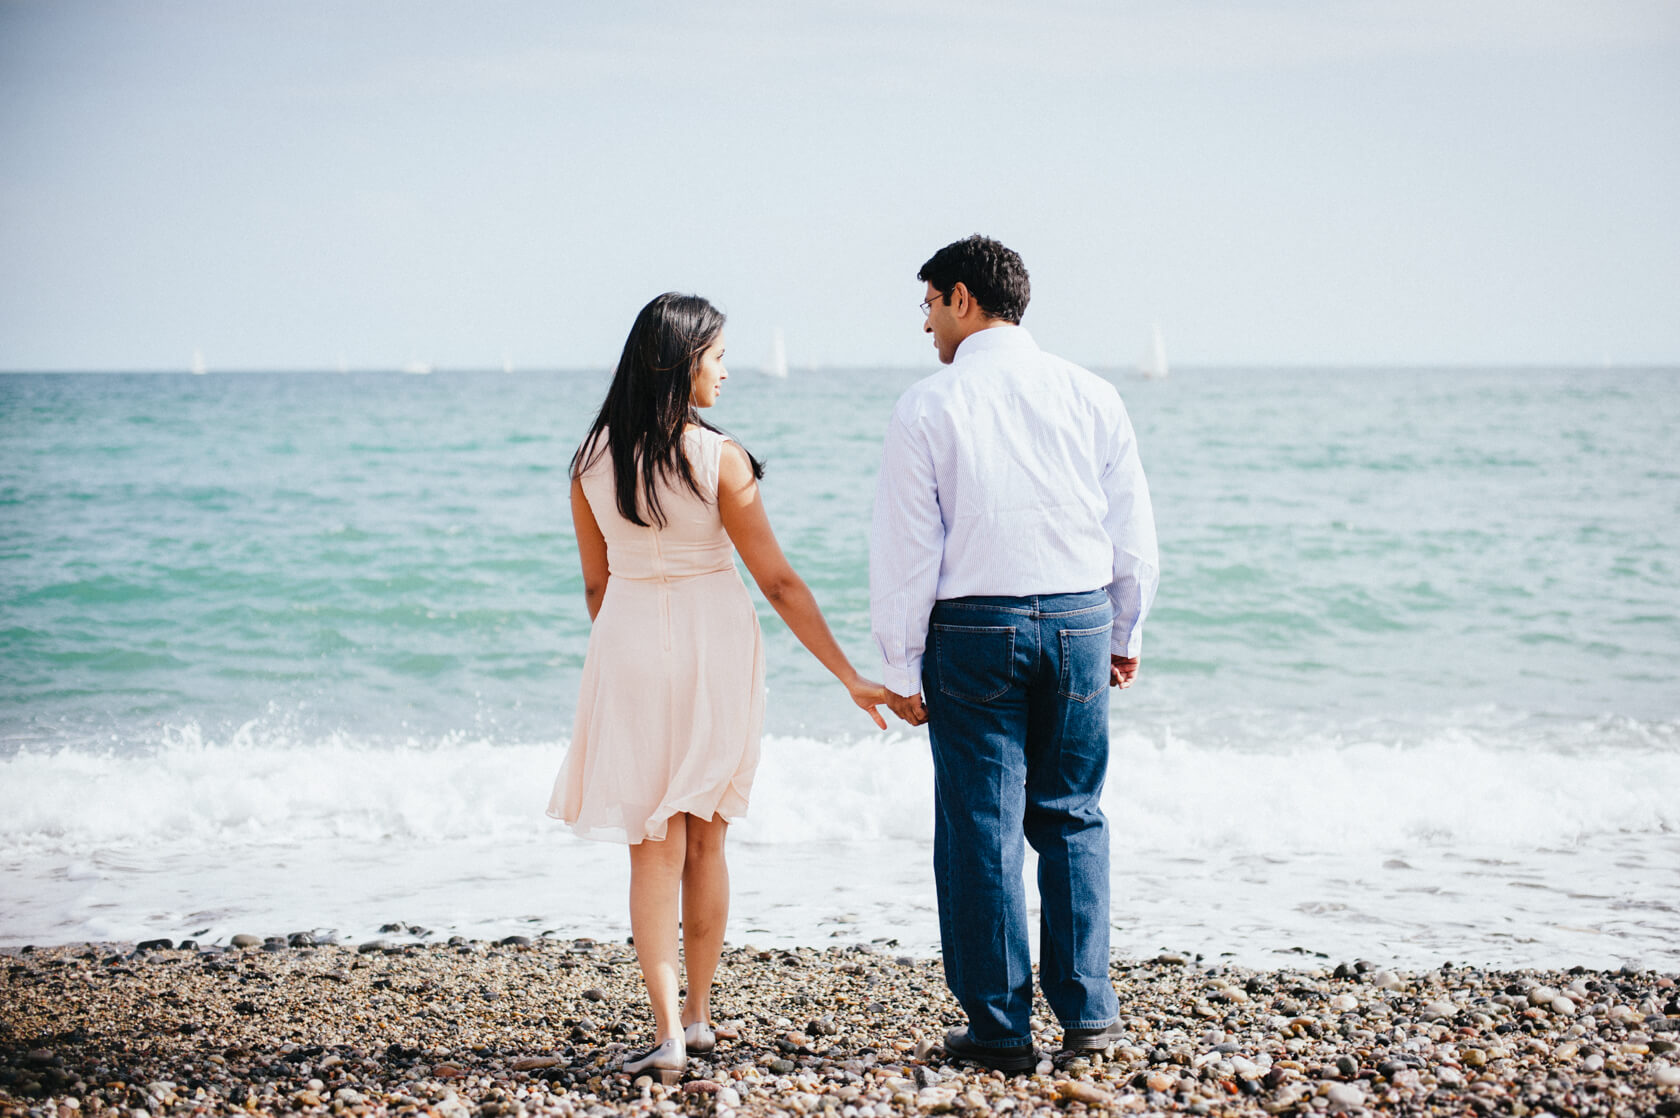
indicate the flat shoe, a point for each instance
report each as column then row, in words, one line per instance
column 1017, row 1057
column 1092, row 1040
column 699, row 1039
column 666, row 1061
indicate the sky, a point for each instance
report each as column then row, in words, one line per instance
column 1309, row 182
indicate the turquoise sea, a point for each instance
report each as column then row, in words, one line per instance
column 301, row 650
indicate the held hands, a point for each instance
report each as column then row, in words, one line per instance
column 908, row 707
column 1121, row 671
column 868, row 695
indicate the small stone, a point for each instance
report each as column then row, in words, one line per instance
column 1439, row 1010
column 798, row 1040
column 243, row 940
column 155, row 945
column 1666, row 1075
column 1347, row 1065
column 1473, row 1058
column 595, row 994
column 1160, row 1081
column 1542, row 996
column 1343, row 1003
column 783, row 1067
column 1594, row 1062
column 531, row 1063
column 728, row 1097
column 1562, row 1006
column 1387, row 980
column 1074, row 1090
column 700, row 1087
column 300, row 939
column 823, row 1026
column 374, row 945
column 1170, row 959
column 923, row 1047
column 449, row 1071
column 1345, row 1096
column 515, row 941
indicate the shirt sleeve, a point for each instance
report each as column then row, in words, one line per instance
column 1130, row 525
column 906, row 543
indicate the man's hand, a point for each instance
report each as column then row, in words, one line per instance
column 1121, row 671
column 908, row 707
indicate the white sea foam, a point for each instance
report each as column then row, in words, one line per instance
column 1414, row 846
column 1164, row 793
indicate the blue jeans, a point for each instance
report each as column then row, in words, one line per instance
column 1017, row 698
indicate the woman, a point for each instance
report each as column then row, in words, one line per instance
column 666, row 738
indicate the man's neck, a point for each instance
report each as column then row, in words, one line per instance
column 987, row 324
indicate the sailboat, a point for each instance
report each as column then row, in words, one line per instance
column 507, row 363
column 199, row 368
column 777, row 365
column 417, row 368
column 1154, row 363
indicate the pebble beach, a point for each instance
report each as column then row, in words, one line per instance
column 524, row 1027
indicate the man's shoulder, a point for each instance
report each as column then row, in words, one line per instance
column 915, row 401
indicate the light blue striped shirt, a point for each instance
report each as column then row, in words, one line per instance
column 1009, row 472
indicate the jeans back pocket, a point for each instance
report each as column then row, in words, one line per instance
column 976, row 662
column 1085, row 662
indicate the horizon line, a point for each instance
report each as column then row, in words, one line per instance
column 1177, row 367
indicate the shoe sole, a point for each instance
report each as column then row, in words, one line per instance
column 1012, row 1065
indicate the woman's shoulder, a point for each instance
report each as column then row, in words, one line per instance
column 591, row 453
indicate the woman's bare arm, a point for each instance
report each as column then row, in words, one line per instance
column 592, row 550
column 749, row 529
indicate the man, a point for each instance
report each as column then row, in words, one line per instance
column 1012, row 560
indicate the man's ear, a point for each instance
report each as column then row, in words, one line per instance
column 960, row 298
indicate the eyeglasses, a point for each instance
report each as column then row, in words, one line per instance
column 927, row 304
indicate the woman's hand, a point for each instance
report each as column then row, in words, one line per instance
column 868, row 695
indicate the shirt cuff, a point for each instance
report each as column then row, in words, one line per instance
column 904, row 681
column 1128, row 646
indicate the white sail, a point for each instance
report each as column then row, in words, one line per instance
column 417, row 368
column 777, row 365
column 1154, row 363
column 507, row 362
column 199, row 368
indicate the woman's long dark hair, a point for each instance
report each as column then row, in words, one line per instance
column 650, row 403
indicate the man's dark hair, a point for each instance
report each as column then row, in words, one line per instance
column 994, row 275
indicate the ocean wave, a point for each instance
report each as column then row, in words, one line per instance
column 1167, row 792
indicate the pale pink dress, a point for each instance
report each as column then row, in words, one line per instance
column 672, row 700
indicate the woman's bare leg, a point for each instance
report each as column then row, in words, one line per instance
column 656, row 872
column 705, row 911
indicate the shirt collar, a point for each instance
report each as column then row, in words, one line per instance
column 994, row 339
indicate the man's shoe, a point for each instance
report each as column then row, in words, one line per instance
column 1018, row 1057
column 1092, row 1040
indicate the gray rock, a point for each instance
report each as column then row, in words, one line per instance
column 373, row 945
column 300, row 939
column 243, row 940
